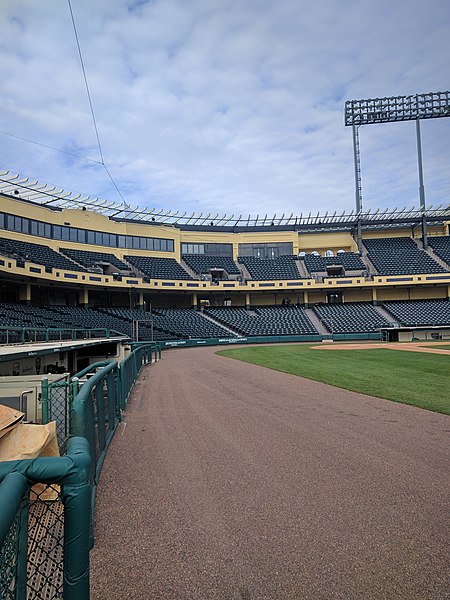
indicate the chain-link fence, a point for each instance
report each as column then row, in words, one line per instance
column 45, row 543
column 31, row 557
column 56, row 405
column 13, row 491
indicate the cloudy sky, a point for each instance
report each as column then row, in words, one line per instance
column 223, row 106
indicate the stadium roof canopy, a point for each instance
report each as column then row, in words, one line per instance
column 50, row 196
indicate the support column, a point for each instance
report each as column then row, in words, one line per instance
column 247, row 300
column 358, row 185
column 375, row 300
column 421, row 186
column 306, row 298
column 194, row 303
column 359, row 235
column 140, row 303
column 83, row 297
column 25, row 293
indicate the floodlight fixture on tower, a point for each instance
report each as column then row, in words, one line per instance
column 432, row 105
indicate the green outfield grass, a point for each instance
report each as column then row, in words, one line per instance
column 422, row 380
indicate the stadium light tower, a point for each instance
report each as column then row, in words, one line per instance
column 390, row 110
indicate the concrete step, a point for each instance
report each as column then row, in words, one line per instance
column 232, row 331
column 187, row 268
column 302, row 269
column 384, row 313
column 316, row 321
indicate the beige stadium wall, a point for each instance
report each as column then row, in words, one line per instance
column 87, row 220
column 429, row 293
column 47, row 285
column 275, row 298
column 357, row 295
column 381, row 233
column 321, row 242
column 393, row 294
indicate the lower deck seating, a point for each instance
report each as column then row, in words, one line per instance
column 420, row 312
column 355, row 317
column 267, row 320
column 187, row 323
column 183, row 323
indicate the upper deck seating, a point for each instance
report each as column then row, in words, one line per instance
column 267, row 320
column 355, row 317
column 203, row 263
column 349, row 260
column 420, row 312
column 158, row 268
column 399, row 256
column 39, row 254
column 95, row 259
column 441, row 245
column 283, row 267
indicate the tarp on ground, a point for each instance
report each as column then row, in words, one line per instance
column 9, row 418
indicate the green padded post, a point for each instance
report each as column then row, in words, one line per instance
column 44, row 399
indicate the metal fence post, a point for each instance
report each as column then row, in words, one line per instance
column 44, row 399
column 22, row 554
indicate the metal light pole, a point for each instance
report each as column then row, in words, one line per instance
column 416, row 107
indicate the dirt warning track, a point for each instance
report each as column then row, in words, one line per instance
column 231, row 481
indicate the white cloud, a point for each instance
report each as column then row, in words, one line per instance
column 224, row 106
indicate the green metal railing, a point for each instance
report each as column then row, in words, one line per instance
column 44, row 535
column 23, row 335
column 46, row 532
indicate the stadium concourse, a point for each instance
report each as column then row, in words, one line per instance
column 232, row 481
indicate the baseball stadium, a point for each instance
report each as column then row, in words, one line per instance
column 201, row 405
column 341, row 322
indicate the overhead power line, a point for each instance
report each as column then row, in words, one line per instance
column 24, row 139
column 102, row 161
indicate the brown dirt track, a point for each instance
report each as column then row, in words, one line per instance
column 231, row 481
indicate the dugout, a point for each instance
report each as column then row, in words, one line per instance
column 412, row 334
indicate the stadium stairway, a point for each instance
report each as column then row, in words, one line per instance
column 232, row 331
column 245, row 274
column 302, row 269
column 386, row 315
column 366, row 260
column 316, row 321
column 187, row 268
column 434, row 256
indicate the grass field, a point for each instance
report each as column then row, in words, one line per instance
column 419, row 379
